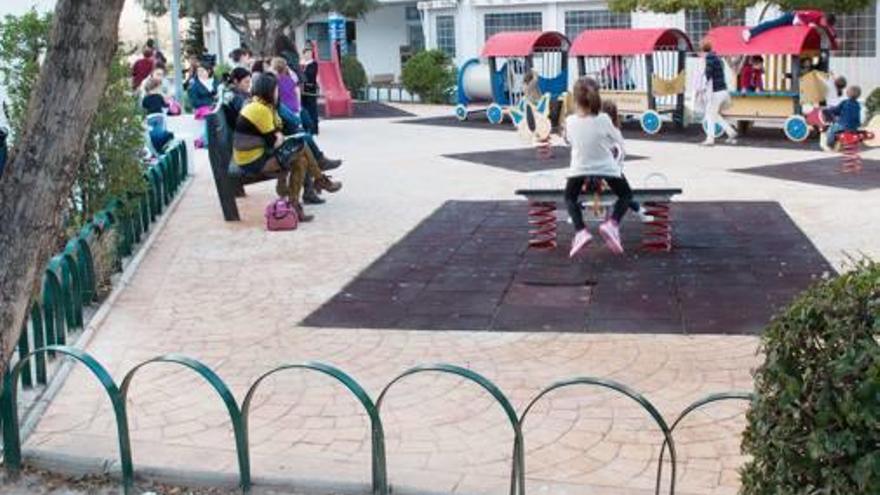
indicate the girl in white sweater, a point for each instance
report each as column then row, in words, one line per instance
column 592, row 135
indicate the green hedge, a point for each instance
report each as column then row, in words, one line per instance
column 353, row 75
column 429, row 74
column 814, row 427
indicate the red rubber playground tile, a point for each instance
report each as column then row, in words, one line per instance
column 467, row 267
column 824, row 172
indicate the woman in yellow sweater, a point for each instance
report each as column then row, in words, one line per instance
column 260, row 147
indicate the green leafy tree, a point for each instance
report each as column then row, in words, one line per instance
column 814, row 427
column 429, row 74
column 111, row 164
column 259, row 22
column 111, row 167
column 715, row 9
column 194, row 41
column 23, row 40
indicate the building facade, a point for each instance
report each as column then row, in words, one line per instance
column 461, row 27
column 384, row 38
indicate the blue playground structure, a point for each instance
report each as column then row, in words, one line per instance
column 495, row 80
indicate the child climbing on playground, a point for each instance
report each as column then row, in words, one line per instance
column 847, row 117
column 591, row 135
column 793, row 18
column 751, row 77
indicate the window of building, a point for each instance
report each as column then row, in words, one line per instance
column 512, row 21
column 581, row 20
column 446, row 34
column 319, row 32
column 857, row 33
column 696, row 22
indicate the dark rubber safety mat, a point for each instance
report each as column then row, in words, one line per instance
column 824, row 172
column 524, row 159
column 467, row 267
column 762, row 137
column 371, row 110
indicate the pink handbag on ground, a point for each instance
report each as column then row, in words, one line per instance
column 280, row 215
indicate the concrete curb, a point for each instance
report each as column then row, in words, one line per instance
column 31, row 416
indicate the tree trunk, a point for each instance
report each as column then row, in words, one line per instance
column 35, row 187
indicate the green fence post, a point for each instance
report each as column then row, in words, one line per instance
column 379, row 472
column 220, row 387
column 488, row 386
column 12, row 435
column 73, row 286
column 39, row 342
column 616, row 387
column 747, row 396
column 53, row 317
column 24, row 349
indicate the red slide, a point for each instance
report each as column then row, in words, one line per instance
column 337, row 99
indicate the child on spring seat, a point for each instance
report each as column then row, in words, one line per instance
column 592, row 135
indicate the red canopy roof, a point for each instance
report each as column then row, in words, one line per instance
column 787, row 40
column 522, row 43
column 597, row 42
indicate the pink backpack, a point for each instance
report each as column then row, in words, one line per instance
column 280, row 215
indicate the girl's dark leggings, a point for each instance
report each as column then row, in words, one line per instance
column 618, row 185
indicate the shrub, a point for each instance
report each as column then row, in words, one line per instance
column 872, row 103
column 353, row 75
column 429, row 74
column 23, row 40
column 111, row 164
column 815, row 424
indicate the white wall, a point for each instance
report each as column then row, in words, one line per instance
column 380, row 34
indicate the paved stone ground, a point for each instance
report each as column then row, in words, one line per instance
column 232, row 294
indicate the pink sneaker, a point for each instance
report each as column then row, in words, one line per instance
column 580, row 241
column 611, row 233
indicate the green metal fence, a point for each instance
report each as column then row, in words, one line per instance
column 70, row 283
column 238, row 416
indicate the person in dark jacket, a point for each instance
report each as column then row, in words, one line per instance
column 309, row 93
column 203, row 89
column 717, row 98
column 848, row 116
column 3, row 149
column 286, row 49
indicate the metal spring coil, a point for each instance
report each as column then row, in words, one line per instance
column 542, row 218
column 658, row 232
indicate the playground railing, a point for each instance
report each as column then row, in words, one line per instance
column 239, row 412
column 73, row 277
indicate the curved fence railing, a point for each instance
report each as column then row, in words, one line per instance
column 239, row 415
column 70, row 282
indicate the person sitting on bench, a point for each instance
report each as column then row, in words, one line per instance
column 239, row 87
column 848, row 116
column 260, row 147
column 793, row 18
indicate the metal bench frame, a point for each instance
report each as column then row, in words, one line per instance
column 227, row 178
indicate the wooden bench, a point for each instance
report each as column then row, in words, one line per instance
column 228, row 177
column 387, row 82
column 656, row 234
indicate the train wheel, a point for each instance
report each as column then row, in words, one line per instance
column 461, row 112
column 796, row 128
column 719, row 131
column 651, row 122
column 495, row 113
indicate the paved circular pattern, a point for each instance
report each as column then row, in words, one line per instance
column 232, row 295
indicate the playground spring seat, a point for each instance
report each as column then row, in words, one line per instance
column 850, row 143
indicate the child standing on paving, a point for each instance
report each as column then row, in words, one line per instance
column 592, row 135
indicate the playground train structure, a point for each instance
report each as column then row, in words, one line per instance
column 645, row 72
